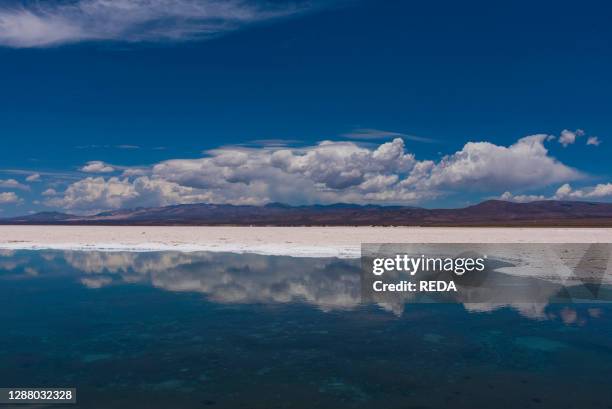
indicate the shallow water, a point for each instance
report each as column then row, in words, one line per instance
column 173, row 330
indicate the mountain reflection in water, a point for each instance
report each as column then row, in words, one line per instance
column 194, row 330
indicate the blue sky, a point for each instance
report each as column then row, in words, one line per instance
column 239, row 95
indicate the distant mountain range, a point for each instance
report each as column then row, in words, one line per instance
column 488, row 213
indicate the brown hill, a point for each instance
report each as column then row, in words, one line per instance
column 488, row 213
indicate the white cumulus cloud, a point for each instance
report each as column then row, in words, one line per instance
column 522, row 198
column 486, row 166
column 98, row 193
column 96, row 166
column 9, row 197
column 566, row 192
column 49, row 192
column 12, row 184
column 593, row 141
column 568, row 137
column 600, row 191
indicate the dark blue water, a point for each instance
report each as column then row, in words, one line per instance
column 171, row 330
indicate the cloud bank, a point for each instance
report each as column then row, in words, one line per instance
column 52, row 23
column 327, row 172
column 566, row 192
column 602, row 190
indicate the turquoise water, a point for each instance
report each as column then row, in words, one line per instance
column 214, row 330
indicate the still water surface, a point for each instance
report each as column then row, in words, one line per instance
column 215, row 330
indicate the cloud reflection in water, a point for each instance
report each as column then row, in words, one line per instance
column 326, row 283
